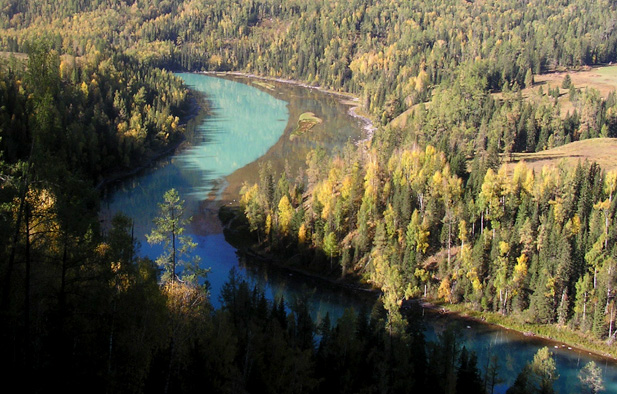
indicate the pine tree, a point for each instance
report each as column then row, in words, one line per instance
column 591, row 378
column 169, row 229
column 529, row 78
column 567, row 82
column 468, row 379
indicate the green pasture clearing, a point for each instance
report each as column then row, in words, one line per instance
column 601, row 78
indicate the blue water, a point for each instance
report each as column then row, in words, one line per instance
column 514, row 350
column 245, row 124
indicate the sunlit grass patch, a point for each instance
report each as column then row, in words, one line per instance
column 599, row 150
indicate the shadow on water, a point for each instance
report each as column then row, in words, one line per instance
column 248, row 127
column 514, row 349
column 245, row 127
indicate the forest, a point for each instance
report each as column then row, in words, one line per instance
column 432, row 207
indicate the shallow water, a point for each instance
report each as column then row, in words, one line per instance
column 244, row 123
column 246, row 126
column 513, row 350
column 249, row 126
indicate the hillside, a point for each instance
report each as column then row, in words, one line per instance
column 602, row 78
column 600, row 150
column 390, row 53
column 425, row 209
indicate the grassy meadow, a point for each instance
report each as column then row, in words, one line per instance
column 602, row 78
column 601, row 150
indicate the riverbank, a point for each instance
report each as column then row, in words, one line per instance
column 237, row 234
column 197, row 108
column 554, row 336
column 337, row 128
column 216, row 249
column 347, row 98
column 562, row 337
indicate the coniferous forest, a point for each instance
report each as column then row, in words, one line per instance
column 433, row 206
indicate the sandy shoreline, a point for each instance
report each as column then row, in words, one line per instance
column 349, row 99
column 222, row 196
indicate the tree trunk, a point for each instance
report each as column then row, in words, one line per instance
column 449, row 240
column 608, row 285
column 20, row 212
column 173, row 258
column 585, row 307
column 605, row 228
column 482, row 223
column 173, row 246
column 111, row 339
column 610, row 321
column 27, row 340
column 62, row 297
column 505, row 302
column 169, row 365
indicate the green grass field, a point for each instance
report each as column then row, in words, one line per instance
column 608, row 72
column 603, row 79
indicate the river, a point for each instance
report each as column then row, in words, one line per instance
column 250, row 123
column 247, row 126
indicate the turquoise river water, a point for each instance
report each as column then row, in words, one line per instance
column 248, row 123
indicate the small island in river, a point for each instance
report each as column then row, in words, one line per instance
column 459, row 170
column 305, row 123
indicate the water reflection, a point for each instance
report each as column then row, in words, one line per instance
column 229, row 153
column 513, row 350
column 246, row 126
column 338, row 128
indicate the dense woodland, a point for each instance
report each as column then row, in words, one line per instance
column 390, row 53
column 430, row 209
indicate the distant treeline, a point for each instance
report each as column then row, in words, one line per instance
column 426, row 209
column 389, row 53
